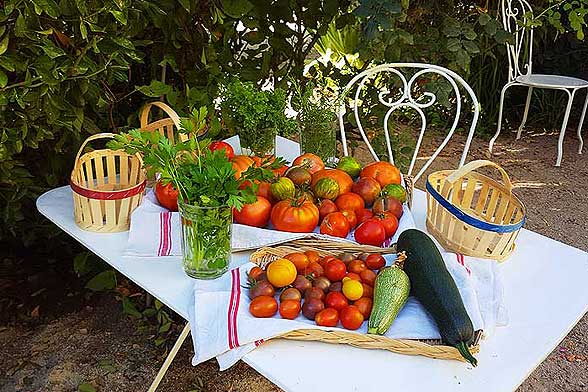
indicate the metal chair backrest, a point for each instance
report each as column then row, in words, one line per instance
column 407, row 100
column 516, row 15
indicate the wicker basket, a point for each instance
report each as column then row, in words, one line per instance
column 470, row 213
column 107, row 186
column 428, row 348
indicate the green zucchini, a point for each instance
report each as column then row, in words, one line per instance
column 390, row 294
column 435, row 288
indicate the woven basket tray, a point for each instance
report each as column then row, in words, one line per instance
column 427, row 348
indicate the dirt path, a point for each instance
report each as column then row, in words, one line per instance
column 101, row 346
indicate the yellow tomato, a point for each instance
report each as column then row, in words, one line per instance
column 352, row 289
column 281, row 272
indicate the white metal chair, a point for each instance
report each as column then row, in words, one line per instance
column 515, row 15
column 406, row 99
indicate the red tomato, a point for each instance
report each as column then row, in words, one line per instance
column 289, row 309
column 375, row 262
column 335, row 270
column 383, row 172
column 368, row 291
column 263, row 190
column 326, row 206
column 300, row 261
column 255, row 214
column 364, row 305
column 350, row 201
column 315, row 269
column 351, row 218
column 368, row 277
column 351, row 317
column 388, row 203
column 356, row 266
column 335, row 224
column 323, row 262
column 370, row 232
column 363, row 215
column 256, row 273
column 354, row 276
column 240, row 164
column 310, row 162
column 336, row 300
column 296, row 216
column 327, row 318
column 390, row 222
column 368, row 188
column 263, row 306
column 229, row 152
column 167, row 195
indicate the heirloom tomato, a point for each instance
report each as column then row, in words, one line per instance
column 299, row 259
column 167, row 195
column 291, row 293
column 368, row 188
column 351, row 218
column 335, row 224
column 282, row 188
column 312, row 255
column 312, row 307
column 263, row 306
column 383, row 172
column 363, row 215
column 229, row 152
column 299, row 176
column 345, row 182
column 350, row 201
column 351, row 317
column 390, row 222
column 263, row 190
column 350, row 166
column 241, row 163
column 371, row 232
column 255, row 214
column 327, row 317
column 281, row 272
column 257, row 289
column 326, row 207
column 289, row 309
column 297, row 216
column 314, row 293
column 326, row 188
column 310, row 162
column 388, row 203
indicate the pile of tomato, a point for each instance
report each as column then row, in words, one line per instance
column 328, row 290
column 364, row 200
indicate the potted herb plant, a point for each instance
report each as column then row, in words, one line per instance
column 208, row 192
column 256, row 115
column 317, row 120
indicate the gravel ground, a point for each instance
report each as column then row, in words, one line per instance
column 99, row 345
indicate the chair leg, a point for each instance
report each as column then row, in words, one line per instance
column 491, row 145
column 529, row 94
column 581, row 124
column 170, row 358
column 564, row 126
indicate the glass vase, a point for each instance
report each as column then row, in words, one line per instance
column 319, row 138
column 206, row 240
column 261, row 143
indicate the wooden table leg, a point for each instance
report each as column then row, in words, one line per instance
column 170, row 358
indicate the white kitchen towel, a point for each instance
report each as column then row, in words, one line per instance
column 222, row 326
column 156, row 232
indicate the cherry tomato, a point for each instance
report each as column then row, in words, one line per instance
column 289, row 309
column 363, row 215
column 300, row 261
column 335, row 224
column 302, row 284
column 375, row 262
column 257, row 289
column 352, row 289
column 356, row 266
column 314, row 269
column 368, row 291
column 389, row 221
column 336, row 300
column 229, row 152
column 350, row 201
column 368, row 277
column 264, row 306
column 314, row 292
column 327, row 318
column 167, row 195
column 351, row 317
column 281, row 272
column 256, row 273
column 323, row 262
column 336, row 287
column 335, row 270
column 311, row 307
column 351, row 218
column 370, row 232
column 312, row 255
column 291, row 293
column 365, row 306
column 354, row 276
column 255, row 214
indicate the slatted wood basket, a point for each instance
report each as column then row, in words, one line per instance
column 473, row 214
column 168, row 126
column 107, row 186
column 429, row 348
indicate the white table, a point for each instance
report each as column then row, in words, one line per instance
column 545, row 292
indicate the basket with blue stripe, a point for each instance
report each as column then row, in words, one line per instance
column 473, row 214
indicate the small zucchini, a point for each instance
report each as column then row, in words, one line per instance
column 390, row 294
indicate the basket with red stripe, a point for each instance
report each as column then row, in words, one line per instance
column 107, row 186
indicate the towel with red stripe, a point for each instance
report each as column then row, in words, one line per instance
column 222, row 326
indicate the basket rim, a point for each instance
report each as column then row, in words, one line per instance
column 108, row 195
column 472, row 220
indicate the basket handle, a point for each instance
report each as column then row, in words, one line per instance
column 168, row 110
column 474, row 165
column 104, row 135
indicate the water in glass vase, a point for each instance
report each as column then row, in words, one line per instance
column 319, row 138
column 206, row 240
